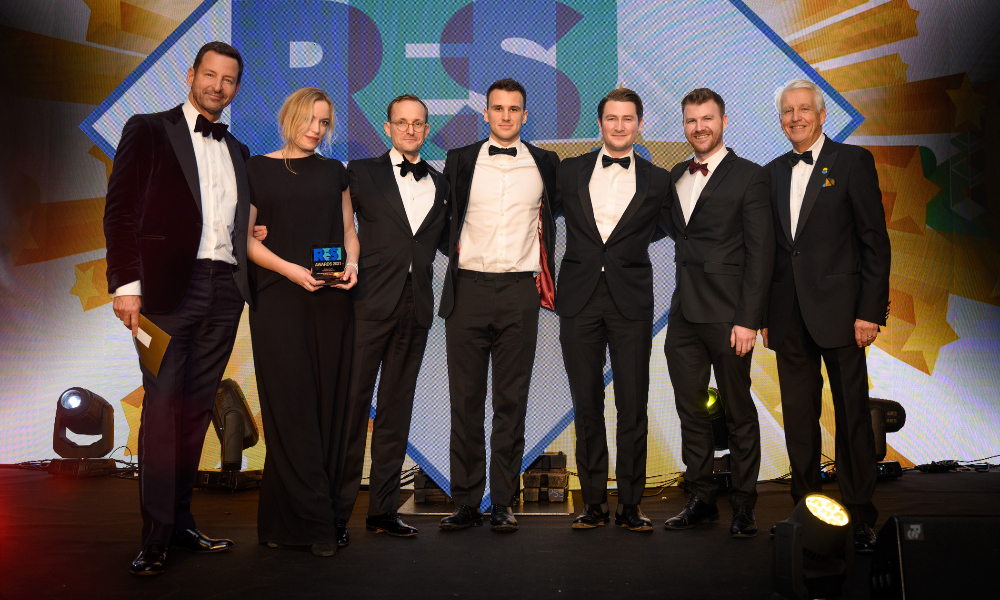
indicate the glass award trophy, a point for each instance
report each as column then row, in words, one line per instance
column 328, row 263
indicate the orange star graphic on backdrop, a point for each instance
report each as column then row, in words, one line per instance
column 968, row 103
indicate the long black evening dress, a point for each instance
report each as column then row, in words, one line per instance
column 302, row 345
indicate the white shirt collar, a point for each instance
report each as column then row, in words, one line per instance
column 816, row 147
column 190, row 114
column 396, row 157
column 631, row 155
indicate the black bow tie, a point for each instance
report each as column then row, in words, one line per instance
column 512, row 151
column 607, row 161
column 806, row 157
column 206, row 128
column 419, row 169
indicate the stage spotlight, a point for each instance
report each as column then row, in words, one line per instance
column 888, row 416
column 237, row 431
column 233, row 424
column 717, row 415
column 84, row 413
column 814, row 551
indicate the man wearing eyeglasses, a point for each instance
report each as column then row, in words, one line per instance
column 399, row 203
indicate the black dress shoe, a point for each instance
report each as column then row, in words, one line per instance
column 324, row 548
column 343, row 538
column 695, row 511
column 633, row 518
column 389, row 523
column 466, row 516
column 502, row 518
column 744, row 523
column 591, row 517
column 864, row 538
column 151, row 561
column 195, row 541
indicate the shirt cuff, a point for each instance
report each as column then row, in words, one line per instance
column 129, row 289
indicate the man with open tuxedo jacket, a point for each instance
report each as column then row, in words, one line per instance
column 720, row 219
column 611, row 199
column 176, row 218
column 399, row 202
column 829, row 295
column 501, row 240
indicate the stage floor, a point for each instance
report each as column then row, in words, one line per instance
column 63, row 538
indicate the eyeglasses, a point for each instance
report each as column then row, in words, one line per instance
column 402, row 125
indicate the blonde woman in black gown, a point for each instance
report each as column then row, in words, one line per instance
column 302, row 330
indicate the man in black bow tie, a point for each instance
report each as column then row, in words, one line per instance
column 829, row 294
column 501, row 240
column 720, row 219
column 399, row 202
column 176, row 219
column 611, row 199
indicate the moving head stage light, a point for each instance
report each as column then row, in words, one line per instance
column 84, row 413
column 237, row 431
column 888, row 416
column 716, row 414
column 814, row 550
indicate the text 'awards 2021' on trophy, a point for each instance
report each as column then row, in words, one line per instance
column 328, row 262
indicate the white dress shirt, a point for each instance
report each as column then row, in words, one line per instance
column 217, row 182
column 800, row 178
column 611, row 191
column 500, row 233
column 689, row 187
column 418, row 196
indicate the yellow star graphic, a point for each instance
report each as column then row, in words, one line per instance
column 105, row 21
column 91, row 285
column 968, row 104
column 913, row 191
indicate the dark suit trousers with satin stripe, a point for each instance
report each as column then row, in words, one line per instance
column 495, row 320
column 178, row 402
column 801, row 383
column 396, row 344
column 693, row 350
column 587, row 338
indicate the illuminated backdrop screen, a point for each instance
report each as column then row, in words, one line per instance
column 915, row 81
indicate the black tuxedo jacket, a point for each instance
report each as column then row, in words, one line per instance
column 153, row 220
column 838, row 262
column 458, row 169
column 725, row 252
column 388, row 245
column 625, row 256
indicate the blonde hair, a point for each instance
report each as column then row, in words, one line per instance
column 297, row 112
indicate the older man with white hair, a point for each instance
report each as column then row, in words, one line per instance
column 829, row 295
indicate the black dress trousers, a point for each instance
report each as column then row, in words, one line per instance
column 693, row 350
column 586, row 338
column 396, row 344
column 178, row 402
column 801, row 383
column 495, row 320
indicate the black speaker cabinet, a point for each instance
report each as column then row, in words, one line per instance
column 937, row 556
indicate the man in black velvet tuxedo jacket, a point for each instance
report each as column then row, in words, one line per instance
column 176, row 221
column 829, row 295
column 501, row 242
column 612, row 199
column 400, row 204
column 720, row 219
